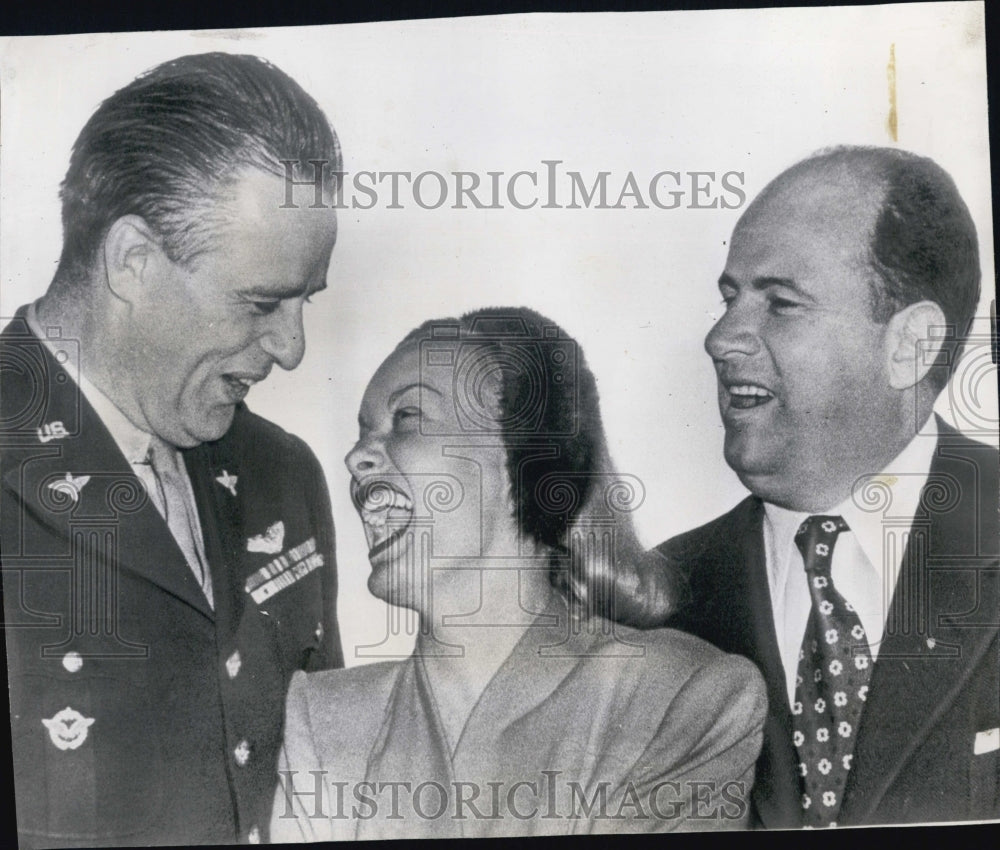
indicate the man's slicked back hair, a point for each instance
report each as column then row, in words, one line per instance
column 166, row 146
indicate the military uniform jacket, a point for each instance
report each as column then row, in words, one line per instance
column 656, row 730
column 140, row 715
column 927, row 745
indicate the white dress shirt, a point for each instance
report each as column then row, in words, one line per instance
column 866, row 559
column 134, row 444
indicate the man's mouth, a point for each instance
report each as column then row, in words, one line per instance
column 238, row 385
column 745, row 396
column 386, row 513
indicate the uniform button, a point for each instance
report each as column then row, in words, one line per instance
column 319, row 632
column 242, row 752
column 254, row 835
column 233, row 664
column 72, row 661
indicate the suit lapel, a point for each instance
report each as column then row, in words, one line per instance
column 107, row 502
column 941, row 621
column 776, row 797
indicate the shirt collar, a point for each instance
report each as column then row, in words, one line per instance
column 892, row 493
column 893, row 496
column 133, row 442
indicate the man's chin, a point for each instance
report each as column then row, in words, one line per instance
column 761, row 475
column 385, row 584
column 204, row 429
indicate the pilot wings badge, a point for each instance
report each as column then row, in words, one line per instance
column 270, row 542
column 69, row 486
column 68, row 728
column 228, row 481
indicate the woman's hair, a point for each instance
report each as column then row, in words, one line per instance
column 519, row 375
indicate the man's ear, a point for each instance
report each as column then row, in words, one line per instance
column 130, row 251
column 914, row 338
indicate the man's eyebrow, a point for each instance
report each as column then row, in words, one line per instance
column 417, row 385
column 766, row 282
column 283, row 292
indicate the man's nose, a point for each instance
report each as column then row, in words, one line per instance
column 285, row 338
column 736, row 332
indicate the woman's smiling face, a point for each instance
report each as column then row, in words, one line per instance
column 426, row 489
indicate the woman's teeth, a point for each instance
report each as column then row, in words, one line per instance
column 377, row 504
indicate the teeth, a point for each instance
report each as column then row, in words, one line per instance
column 375, row 510
column 749, row 390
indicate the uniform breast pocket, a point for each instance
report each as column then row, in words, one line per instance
column 83, row 763
column 300, row 621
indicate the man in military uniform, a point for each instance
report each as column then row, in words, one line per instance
column 168, row 557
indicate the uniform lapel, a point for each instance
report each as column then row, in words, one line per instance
column 215, row 480
column 941, row 621
column 101, row 499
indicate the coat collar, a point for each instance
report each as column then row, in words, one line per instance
column 411, row 743
column 106, row 495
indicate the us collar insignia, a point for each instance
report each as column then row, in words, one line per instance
column 270, row 542
column 69, row 487
column 52, row 431
column 228, row 481
column 68, row 728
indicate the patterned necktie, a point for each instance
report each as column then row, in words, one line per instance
column 177, row 509
column 832, row 682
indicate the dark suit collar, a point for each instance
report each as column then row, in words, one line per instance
column 102, row 491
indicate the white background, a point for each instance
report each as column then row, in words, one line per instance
column 750, row 91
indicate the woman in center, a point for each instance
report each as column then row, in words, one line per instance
column 537, row 700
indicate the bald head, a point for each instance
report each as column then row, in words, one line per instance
column 903, row 215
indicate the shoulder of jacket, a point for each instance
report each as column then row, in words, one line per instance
column 359, row 689
column 690, row 544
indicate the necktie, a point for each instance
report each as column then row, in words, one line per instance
column 832, row 682
column 178, row 510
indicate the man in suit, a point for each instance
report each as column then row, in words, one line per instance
column 168, row 556
column 861, row 575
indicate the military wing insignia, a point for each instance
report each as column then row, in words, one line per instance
column 69, row 486
column 68, row 728
column 228, row 481
column 270, row 542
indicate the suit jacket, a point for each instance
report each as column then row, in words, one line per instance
column 934, row 696
column 658, row 724
column 140, row 715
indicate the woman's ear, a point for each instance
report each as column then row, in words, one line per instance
column 914, row 337
column 130, row 250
